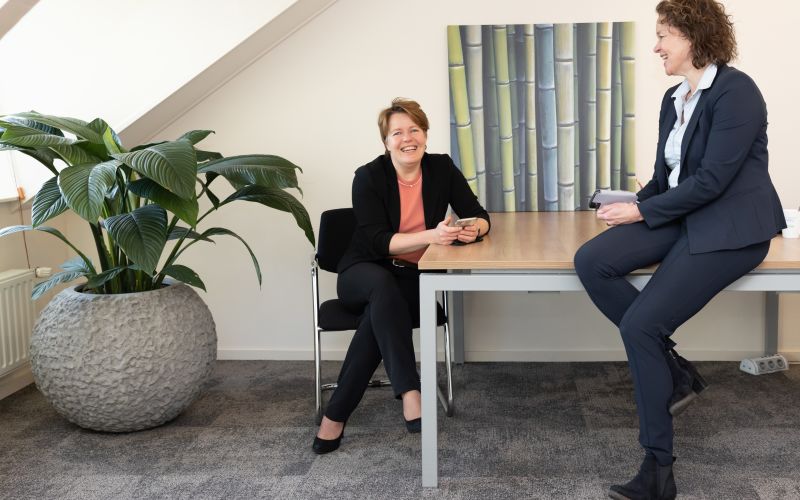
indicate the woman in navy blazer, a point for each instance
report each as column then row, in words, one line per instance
column 707, row 215
column 400, row 200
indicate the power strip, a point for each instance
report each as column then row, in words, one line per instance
column 767, row 364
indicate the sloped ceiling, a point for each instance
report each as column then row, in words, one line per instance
column 139, row 65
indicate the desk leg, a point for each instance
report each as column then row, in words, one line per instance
column 427, row 311
column 456, row 316
column 771, row 323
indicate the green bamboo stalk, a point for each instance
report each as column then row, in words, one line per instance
column 616, row 110
column 627, row 67
column 565, row 112
column 578, row 117
column 604, row 105
column 531, row 162
column 494, row 180
column 454, row 152
column 522, row 188
column 512, row 84
column 587, row 88
column 474, row 62
column 546, row 89
column 458, row 89
column 505, row 117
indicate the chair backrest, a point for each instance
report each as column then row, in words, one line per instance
column 336, row 228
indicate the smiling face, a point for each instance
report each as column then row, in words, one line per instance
column 674, row 49
column 405, row 141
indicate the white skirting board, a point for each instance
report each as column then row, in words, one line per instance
column 15, row 380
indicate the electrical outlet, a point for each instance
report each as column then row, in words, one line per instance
column 766, row 364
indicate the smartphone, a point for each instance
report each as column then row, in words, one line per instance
column 466, row 222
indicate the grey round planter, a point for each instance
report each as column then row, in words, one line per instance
column 123, row 362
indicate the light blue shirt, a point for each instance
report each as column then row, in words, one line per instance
column 683, row 110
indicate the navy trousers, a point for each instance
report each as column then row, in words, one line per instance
column 680, row 287
column 389, row 297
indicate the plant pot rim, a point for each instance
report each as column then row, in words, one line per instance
column 78, row 290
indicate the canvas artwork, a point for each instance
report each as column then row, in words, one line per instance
column 542, row 115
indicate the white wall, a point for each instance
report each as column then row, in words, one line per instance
column 314, row 99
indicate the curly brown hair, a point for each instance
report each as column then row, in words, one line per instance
column 705, row 24
column 402, row 105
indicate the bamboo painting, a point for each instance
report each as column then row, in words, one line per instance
column 565, row 115
column 616, row 110
column 532, row 191
column 542, row 115
column 587, row 90
column 504, row 116
column 546, row 90
column 458, row 91
column 603, row 105
column 474, row 63
column 627, row 60
column 494, row 179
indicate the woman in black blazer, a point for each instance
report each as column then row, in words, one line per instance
column 400, row 201
column 707, row 215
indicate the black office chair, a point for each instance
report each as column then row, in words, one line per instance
column 336, row 228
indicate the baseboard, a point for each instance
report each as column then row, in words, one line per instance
column 792, row 356
column 16, row 380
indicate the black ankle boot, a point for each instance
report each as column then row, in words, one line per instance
column 653, row 482
column 687, row 382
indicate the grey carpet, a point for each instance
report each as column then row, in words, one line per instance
column 521, row 430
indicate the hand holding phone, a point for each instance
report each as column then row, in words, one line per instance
column 466, row 221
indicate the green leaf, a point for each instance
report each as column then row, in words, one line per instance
column 73, row 154
column 40, row 288
column 18, row 135
column 76, row 264
column 184, row 274
column 141, row 234
column 111, row 141
column 279, row 200
column 99, row 280
column 145, row 146
column 261, row 170
column 42, row 155
column 85, row 186
column 26, row 122
column 47, row 203
column 72, row 125
column 50, row 230
column 206, row 155
column 172, row 164
column 180, row 232
column 195, row 136
column 221, row 230
column 186, row 210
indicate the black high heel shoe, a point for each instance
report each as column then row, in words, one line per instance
column 323, row 446
column 686, row 380
column 414, row 426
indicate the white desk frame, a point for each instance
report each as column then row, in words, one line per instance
column 768, row 281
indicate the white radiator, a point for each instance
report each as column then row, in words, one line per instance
column 16, row 318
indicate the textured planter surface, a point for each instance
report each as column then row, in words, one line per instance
column 123, row 362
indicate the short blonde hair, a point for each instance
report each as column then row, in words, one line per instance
column 402, row 105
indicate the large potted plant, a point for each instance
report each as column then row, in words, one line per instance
column 132, row 345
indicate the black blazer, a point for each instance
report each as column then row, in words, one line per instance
column 724, row 191
column 376, row 202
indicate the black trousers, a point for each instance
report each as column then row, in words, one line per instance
column 680, row 287
column 389, row 297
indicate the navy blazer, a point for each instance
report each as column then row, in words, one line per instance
column 376, row 203
column 724, row 192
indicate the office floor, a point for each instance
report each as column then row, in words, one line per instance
column 521, row 430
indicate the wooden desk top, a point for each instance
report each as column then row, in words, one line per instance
column 548, row 240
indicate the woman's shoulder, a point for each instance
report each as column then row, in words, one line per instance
column 728, row 76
